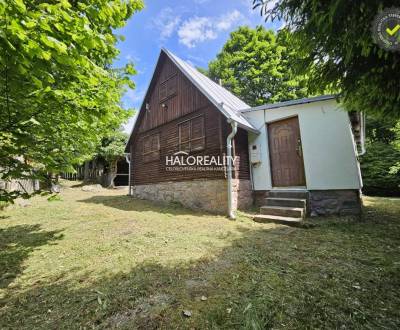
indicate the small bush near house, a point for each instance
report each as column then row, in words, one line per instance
column 378, row 168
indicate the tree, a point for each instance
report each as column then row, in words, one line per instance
column 380, row 169
column 381, row 164
column 112, row 147
column 256, row 64
column 337, row 51
column 59, row 94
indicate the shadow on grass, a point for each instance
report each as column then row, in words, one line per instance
column 338, row 275
column 16, row 243
column 127, row 203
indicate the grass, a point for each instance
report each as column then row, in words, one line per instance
column 102, row 260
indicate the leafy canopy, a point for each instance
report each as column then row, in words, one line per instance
column 337, row 51
column 59, row 94
column 257, row 65
column 112, row 146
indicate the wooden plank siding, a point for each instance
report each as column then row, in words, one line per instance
column 187, row 103
column 186, row 100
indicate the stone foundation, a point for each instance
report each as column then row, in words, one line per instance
column 324, row 202
column 335, row 202
column 259, row 197
column 210, row 195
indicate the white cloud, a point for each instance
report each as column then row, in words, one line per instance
column 199, row 29
column 195, row 30
column 271, row 4
column 225, row 22
column 166, row 22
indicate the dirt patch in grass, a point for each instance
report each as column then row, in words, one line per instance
column 103, row 260
column 146, row 310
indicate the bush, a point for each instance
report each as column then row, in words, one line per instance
column 378, row 169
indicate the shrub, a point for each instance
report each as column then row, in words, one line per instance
column 378, row 167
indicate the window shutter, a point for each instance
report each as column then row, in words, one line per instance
column 197, row 134
column 155, row 143
column 184, row 136
column 162, row 91
column 151, row 148
column 146, row 145
column 172, row 86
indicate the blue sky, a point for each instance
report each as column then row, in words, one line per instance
column 195, row 30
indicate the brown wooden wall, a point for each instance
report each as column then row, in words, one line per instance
column 187, row 99
column 186, row 103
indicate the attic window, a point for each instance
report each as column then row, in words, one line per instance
column 167, row 88
column 151, row 148
column 192, row 135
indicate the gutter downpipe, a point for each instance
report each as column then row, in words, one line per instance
column 363, row 127
column 229, row 154
column 127, row 157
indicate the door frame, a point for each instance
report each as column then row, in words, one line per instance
column 267, row 123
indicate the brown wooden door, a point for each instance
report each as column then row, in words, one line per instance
column 286, row 156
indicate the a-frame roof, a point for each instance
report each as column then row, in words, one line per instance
column 229, row 105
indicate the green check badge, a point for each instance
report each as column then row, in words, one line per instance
column 386, row 29
column 392, row 32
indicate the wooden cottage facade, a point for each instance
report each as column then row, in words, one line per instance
column 177, row 117
column 275, row 149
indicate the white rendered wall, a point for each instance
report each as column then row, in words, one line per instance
column 330, row 160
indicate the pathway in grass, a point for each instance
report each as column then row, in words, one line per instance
column 100, row 259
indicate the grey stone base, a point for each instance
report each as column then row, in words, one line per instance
column 335, row 202
column 324, row 202
column 259, row 197
column 210, row 195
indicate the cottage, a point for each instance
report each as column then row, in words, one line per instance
column 197, row 144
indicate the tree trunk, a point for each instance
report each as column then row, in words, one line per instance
column 86, row 172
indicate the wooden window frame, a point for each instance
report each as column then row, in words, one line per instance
column 190, row 134
column 168, row 94
column 144, row 154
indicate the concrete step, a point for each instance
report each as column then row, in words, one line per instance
column 283, row 211
column 299, row 194
column 290, row 221
column 290, row 202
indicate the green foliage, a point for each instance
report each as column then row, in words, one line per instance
column 379, row 169
column 335, row 43
column 59, row 94
column 381, row 164
column 112, row 146
column 381, row 129
column 257, row 65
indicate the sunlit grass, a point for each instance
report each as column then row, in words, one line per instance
column 104, row 260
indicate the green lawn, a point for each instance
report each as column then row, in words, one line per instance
column 103, row 260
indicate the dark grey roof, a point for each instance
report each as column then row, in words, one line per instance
column 229, row 104
column 290, row 103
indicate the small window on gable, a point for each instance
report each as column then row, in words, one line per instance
column 167, row 88
column 151, row 148
column 192, row 135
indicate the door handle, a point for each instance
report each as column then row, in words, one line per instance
column 299, row 148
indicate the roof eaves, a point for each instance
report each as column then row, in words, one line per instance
column 290, row 103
